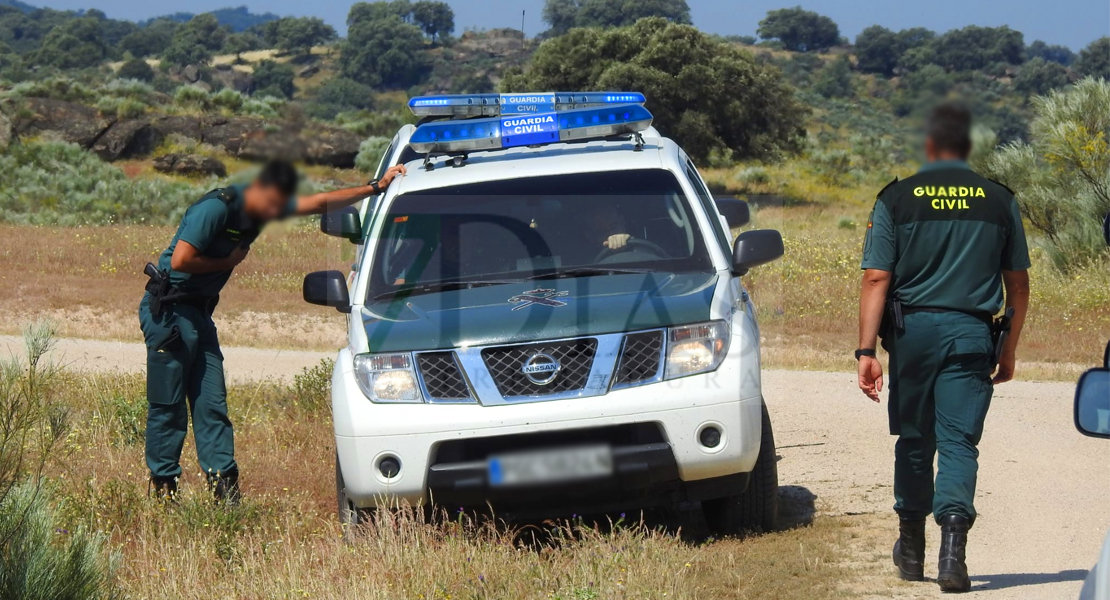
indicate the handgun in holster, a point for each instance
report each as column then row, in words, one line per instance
column 1000, row 330
column 159, row 288
column 894, row 320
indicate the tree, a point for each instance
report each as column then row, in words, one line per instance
column 835, row 79
column 272, row 78
column 711, row 96
column 383, row 51
column 1050, row 52
column 136, row 68
column 560, row 15
column 364, row 12
column 435, row 18
column 975, row 48
column 1094, row 60
column 238, row 43
column 799, row 30
column 151, row 40
column 1062, row 177
column 620, row 13
column 298, row 35
column 340, row 95
column 75, row 45
column 877, row 50
column 1039, row 77
column 194, row 42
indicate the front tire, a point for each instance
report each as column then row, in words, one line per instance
column 349, row 515
column 756, row 508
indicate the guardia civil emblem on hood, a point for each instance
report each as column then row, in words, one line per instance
column 543, row 297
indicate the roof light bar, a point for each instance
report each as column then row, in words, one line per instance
column 529, row 130
column 492, row 105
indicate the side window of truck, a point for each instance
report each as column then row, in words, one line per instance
column 710, row 207
column 368, row 211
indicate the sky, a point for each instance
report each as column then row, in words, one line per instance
column 1072, row 23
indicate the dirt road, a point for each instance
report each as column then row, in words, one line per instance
column 1044, row 490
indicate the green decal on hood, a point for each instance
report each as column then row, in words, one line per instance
column 539, row 310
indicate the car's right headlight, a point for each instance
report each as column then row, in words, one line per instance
column 387, row 378
column 694, row 349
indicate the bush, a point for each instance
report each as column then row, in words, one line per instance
column 338, row 95
column 274, row 79
column 191, row 97
column 57, row 183
column 227, row 99
column 370, row 154
column 137, row 69
column 267, row 107
column 753, row 176
column 312, row 387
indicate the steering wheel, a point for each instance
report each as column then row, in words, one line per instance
column 650, row 247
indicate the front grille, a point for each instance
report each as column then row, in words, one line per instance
column 442, row 377
column 640, row 358
column 575, row 357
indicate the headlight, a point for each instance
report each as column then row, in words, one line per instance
column 696, row 349
column 387, row 378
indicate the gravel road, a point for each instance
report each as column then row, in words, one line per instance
column 1044, row 490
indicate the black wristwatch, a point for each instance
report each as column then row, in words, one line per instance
column 377, row 188
column 865, row 352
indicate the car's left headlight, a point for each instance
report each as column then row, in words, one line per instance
column 694, row 349
column 387, row 378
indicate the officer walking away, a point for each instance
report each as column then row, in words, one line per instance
column 940, row 247
column 184, row 362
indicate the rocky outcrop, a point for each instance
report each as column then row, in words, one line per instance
column 246, row 137
column 189, row 164
column 76, row 123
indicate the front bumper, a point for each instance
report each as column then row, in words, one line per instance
column 414, row 434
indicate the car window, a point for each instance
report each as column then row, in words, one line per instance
column 710, row 207
column 367, row 211
column 551, row 226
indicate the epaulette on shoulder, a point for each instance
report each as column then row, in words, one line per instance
column 1003, row 185
column 886, row 187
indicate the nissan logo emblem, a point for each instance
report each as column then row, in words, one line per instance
column 541, row 369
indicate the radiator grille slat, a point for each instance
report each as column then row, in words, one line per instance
column 442, row 378
column 575, row 358
column 640, row 359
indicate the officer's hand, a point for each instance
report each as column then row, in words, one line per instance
column 1005, row 370
column 617, row 241
column 870, row 376
column 390, row 175
column 237, row 256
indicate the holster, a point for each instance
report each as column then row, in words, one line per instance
column 894, row 319
column 162, row 294
column 1000, row 330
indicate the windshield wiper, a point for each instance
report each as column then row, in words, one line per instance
column 589, row 272
column 443, row 286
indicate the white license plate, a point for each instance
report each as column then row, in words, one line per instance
column 550, row 466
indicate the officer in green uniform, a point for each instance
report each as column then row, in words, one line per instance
column 185, row 374
column 940, row 247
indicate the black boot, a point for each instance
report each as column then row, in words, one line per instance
column 909, row 550
column 225, row 487
column 163, row 488
column 952, row 570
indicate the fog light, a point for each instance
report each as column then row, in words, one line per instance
column 389, row 466
column 710, row 437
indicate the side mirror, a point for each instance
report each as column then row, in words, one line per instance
column 1092, row 403
column 327, row 288
column 735, row 211
column 755, row 248
column 343, row 223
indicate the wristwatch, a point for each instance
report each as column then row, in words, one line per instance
column 377, row 188
column 865, row 352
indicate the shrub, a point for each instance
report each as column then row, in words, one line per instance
column 226, row 99
column 267, row 107
column 753, row 176
column 191, row 97
column 137, row 69
column 370, row 153
column 311, row 387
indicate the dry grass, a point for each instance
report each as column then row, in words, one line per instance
column 284, row 540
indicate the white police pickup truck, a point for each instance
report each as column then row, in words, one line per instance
column 546, row 316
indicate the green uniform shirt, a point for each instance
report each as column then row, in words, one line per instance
column 946, row 234
column 214, row 227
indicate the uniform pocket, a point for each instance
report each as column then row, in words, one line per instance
column 164, row 375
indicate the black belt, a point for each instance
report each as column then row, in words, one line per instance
column 981, row 315
column 205, row 304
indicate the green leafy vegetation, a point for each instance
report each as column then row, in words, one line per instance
column 799, row 30
column 563, row 15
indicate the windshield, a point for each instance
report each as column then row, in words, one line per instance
column 539, row 227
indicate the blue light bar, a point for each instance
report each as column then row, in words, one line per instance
column 529, row 130
column 492, row 105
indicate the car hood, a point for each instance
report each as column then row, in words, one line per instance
column 550, row 309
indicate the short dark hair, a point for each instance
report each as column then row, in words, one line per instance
column 279, row 174
column 949, row 126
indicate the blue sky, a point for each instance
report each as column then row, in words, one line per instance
column 1073, row 23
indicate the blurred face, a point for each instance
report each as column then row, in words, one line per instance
column 264, row 203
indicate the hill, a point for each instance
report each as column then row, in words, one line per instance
column 238, row 19
column 23, row 6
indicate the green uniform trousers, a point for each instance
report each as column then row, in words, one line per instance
column 940, row 391
column 185, row 376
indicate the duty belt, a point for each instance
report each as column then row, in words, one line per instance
column 163, row 294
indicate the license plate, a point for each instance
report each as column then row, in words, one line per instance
column 550, row 466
